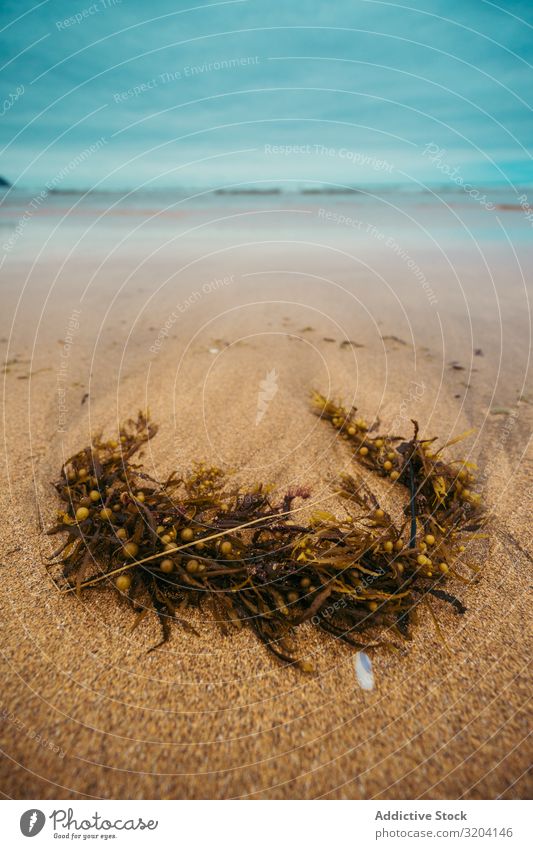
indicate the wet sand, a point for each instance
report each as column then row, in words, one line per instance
column 190, row 334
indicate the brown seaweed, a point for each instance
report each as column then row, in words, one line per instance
column 263, row 561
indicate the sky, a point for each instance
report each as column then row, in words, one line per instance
column 115, row 95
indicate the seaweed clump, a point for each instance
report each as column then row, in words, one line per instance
column 263, row 561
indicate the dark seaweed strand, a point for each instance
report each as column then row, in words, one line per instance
column 412, row 504
column 451, row 599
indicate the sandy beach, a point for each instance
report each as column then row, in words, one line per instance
column 185, row 309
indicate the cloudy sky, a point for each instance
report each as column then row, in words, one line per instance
column 184, row 93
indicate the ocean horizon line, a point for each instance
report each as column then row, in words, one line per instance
column 276, row 188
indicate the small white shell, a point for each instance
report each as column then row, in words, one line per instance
column 363, row 671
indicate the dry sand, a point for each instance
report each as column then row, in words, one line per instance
column 214, row 716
